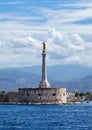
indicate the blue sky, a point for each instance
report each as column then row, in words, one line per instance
column 66, row 26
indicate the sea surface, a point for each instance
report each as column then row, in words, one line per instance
column 46, row 117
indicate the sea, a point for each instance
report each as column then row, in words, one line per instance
column 46, row 117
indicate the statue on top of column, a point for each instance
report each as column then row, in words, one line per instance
column 44, row 47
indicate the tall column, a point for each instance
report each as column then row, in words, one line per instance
column 44, row 82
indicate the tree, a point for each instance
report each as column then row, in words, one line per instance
column 76, row 94
column 81, row 94
column 2, row 92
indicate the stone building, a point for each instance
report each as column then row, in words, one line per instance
column 44, row 94
column 14, row 97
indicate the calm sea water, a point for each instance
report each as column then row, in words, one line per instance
column 46, row 117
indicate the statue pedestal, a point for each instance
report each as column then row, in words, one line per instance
column 44, row 84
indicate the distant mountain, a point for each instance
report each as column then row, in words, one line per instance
column 14, row 79
column 61, row 72
column 82, row 85
column 69, row 76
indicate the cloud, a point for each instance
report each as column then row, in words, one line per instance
column 44, row 19
column 25, row 49
column 10, row 3
column 78, row 4
column 67, row 16
column 23, row 30
column 70, row 48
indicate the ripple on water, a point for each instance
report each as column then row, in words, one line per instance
column 46, row 117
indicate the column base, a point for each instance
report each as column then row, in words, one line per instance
column 44, row 84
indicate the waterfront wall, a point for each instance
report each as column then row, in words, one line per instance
column 42, row 95
column 14, row 97
column 4, row 97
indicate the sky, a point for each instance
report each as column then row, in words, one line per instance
column 65, row 25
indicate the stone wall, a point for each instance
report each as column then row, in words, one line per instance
column 42, row 95
column 13, row 97
column 4, row 97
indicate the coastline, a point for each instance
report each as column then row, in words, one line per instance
column 11, row 103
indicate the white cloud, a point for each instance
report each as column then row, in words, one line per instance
column 67, row 15
column 21, row 36
column 61, row 48
column 78, row 4
column 10, row 3
column 73, row 49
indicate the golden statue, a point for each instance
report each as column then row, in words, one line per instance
column 44, row 47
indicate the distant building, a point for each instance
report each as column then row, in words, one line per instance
column 44, row 94
column 70, row 96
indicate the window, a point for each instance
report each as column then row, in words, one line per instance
column 27, row 94
column 63, row 94
column 54, row 94
column 39, row 94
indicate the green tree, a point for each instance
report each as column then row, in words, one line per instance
column 76, row 94
column 81, row 94
column 2, row 92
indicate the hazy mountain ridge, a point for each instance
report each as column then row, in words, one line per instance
column 61, row 72
column 73, row 77
column 13, row 79
column 82, row 85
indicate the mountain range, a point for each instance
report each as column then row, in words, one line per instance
column 73, row 77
